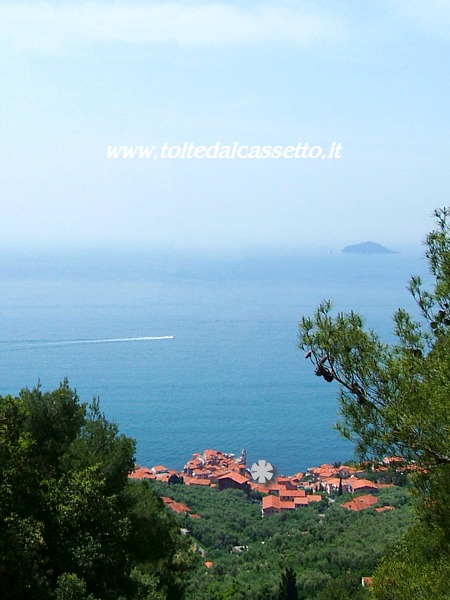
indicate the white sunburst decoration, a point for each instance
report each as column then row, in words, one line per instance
column 262, row 471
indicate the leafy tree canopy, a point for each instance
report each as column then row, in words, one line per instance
column 71, row 526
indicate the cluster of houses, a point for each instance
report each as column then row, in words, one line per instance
column 217, row 469
column 214, row 468
column 290, row 493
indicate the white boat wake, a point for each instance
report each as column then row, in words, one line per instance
column 100, row 341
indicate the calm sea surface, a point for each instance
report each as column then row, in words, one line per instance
column 231, row 376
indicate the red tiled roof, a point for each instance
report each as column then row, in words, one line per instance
column 358, row 484
column 198, row 481
column 209, row 564
column 220, row 473
column 141, row 473
column 314, row 498
column 334, row 481
column 285, row 505
column 274, row 502
column 212, row 453
column 270, row 502
column 360, row 503
column 160, row 469
column 301, row 501
column 384, row 508
column 235, row 477
column 179, row 507
column 292, row 494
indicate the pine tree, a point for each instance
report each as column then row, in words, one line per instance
column 395, row 401
column 288, row 585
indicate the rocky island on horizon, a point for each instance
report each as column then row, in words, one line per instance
column 368, row 248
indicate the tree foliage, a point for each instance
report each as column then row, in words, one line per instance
column 71, row 526
column 395, row 401
column 288, row 585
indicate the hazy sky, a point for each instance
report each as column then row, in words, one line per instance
column 78, row 76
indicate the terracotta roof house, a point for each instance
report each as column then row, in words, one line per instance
column 160, row 470
column 345, row 471
column 291, row 494
column 198, row 481
column 179, row 507
column 272, row 487
column 287, row 505
column 270, row 505
column 323, row 471
column 314, row 498
column 307, row 500
column 234, row 480
column 331, row 485
column 142, row 473
column 360, row 503
column 218, row 473
column 361, row 485
column 287, row 483
column 301, row 502
column 273, row 504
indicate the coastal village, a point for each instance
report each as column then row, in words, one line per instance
column 214, row 468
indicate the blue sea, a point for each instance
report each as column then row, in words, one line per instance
column 193, row 352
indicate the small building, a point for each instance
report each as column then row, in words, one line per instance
column 291, row 495
column 273, row 504
column 234, row 481
column 160, row 470
column 287, row 483
column 360, row 503
column 270, row 505
column 331, row 485
column 198, row 481
column 142, row 473
column 179, row 507
column 355, row 484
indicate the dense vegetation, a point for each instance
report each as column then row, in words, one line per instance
column 329, row 549
column 395, row 400
column 71, row 526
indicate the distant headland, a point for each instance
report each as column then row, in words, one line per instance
column 368, row 248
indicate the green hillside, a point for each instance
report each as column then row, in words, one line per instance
column 329, row 547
